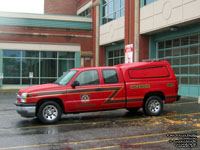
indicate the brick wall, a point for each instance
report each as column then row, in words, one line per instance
column 81, row 3
column 45, row 35
column 60, row 7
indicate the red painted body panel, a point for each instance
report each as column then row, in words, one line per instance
column 128, row 92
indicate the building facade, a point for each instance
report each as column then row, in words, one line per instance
column 158, row 29
column 173, row 27
column 45, row 46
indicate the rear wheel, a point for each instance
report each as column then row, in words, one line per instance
column 153, row 106
column 49, row 112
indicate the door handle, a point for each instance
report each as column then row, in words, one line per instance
column 99, row 89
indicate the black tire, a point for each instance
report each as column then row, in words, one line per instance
column 153, row 106
column 133, row 110
column 49, row 112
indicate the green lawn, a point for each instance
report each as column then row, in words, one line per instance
column 9, row 90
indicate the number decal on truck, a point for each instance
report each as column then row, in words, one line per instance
column 142, row 86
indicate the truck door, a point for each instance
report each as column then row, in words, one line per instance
column 113, row 89
column 87, row 95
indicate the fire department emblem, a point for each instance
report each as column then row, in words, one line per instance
column 85, row 98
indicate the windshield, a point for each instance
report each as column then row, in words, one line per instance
column 65, row 78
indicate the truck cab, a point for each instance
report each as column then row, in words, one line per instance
column 146, row 85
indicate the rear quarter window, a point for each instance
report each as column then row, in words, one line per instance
column 151, row 72
column 110, row 76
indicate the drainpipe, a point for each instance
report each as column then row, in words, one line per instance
column 97, row 5
column 137, row 34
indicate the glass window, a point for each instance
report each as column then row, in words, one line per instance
column 185, row 41
column 47, row 80
column 146, row 2
column 176, row 61
column 168, row 53
column 194, row 50
column 11, row 53
column 161, row 54
column 66, row 55
column 194, row 59
column 30, row 53
column 161, row 45
column 184, row 57
column 30, row 65
column 184, row 51
column 116, row 4
column 176, row 42
column 11, row 81
column 116, row 57
column 110, row 62
column 194, row 70
column 110, row 76
column 112, row 9
column 176, row 52
column 49, row 54
column 168, row 44
column 28, row 81
column 184, row 60
column 184, row 70
column 48, row 68
column 184, row 80
column 194, row 39
column 194, row 80
column 89, row 77
column 64, row 65
column 45, row 65
column 66, row 77
column 11, row 67
column 176, row 70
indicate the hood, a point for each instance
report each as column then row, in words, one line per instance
column 40, row 88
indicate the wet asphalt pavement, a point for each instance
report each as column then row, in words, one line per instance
column 178, row 125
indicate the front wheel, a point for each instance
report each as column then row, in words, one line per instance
column 153, row 106
column 49, row 112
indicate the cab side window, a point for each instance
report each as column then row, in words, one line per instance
column 110, row 76
column 89, row 77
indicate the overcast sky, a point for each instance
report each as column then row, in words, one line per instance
column 23, row 6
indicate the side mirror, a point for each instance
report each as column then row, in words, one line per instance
column 75, row 83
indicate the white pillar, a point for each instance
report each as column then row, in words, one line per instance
column 97, row 34
column 137, row 32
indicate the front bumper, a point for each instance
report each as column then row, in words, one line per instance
column 26, row 110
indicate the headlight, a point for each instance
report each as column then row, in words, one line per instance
column 23, row 97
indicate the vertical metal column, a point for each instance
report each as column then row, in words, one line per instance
column 137, row 32
column 97, row 31
column 1, row 66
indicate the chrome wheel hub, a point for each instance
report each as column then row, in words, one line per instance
column 50, row 112
column 154, row 106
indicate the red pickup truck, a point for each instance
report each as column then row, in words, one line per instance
column 146, row 85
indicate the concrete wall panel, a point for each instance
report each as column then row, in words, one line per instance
column 165, row 13
column 112, row 31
